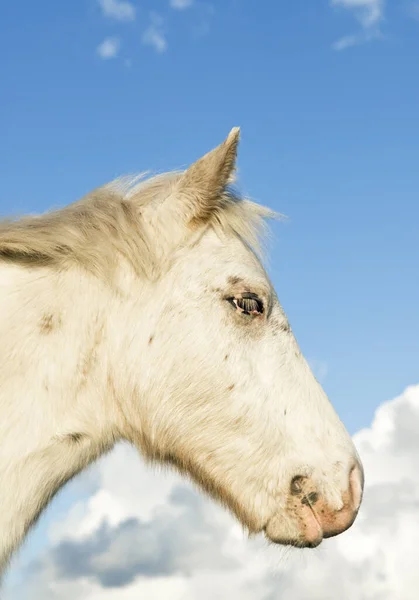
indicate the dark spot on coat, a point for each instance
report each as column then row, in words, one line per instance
column 226, row 357
column 234, row 280
column 48, row 323
column 89, row 359
column 150, row 340
column 285, row 412
column 239, row 422
column 231, row 387
column 75, row 438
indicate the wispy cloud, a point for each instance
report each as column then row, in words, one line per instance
column 109, row 48
column 181, row 4
column 369, row 14
column 155, row 35
column 120, row 10
column 154, row 32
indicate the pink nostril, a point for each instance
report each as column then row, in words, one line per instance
column 356, row 484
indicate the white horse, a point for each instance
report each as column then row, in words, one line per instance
column 143, row 313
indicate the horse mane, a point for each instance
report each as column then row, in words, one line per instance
column 107, row 223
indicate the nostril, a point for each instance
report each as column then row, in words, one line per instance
column 297, row 485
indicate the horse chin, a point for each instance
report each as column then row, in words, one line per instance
column 304, row 532
column 295, row 543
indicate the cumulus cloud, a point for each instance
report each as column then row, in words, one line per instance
column 115, row 555
column 369, row 14
column 152, row 535
column 109, row 48
column 120, row 10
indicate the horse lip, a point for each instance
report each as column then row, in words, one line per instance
column 302, row 544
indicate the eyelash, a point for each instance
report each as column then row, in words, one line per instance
column 247, row 304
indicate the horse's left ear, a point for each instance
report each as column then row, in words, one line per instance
column 203, row 183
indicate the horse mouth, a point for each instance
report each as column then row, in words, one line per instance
column 310, row 535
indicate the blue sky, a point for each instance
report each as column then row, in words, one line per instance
column 326, row 94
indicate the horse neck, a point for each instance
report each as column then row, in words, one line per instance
column 56, row 414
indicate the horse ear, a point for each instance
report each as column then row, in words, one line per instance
column 204, row 182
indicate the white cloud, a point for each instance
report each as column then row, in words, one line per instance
column 346, row 42
column 150, row 535
column 109, row 48
column 369, row 13
column 181, row 4
column 121, row 10
column 154, row 35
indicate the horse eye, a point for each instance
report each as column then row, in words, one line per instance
column 248, row 304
